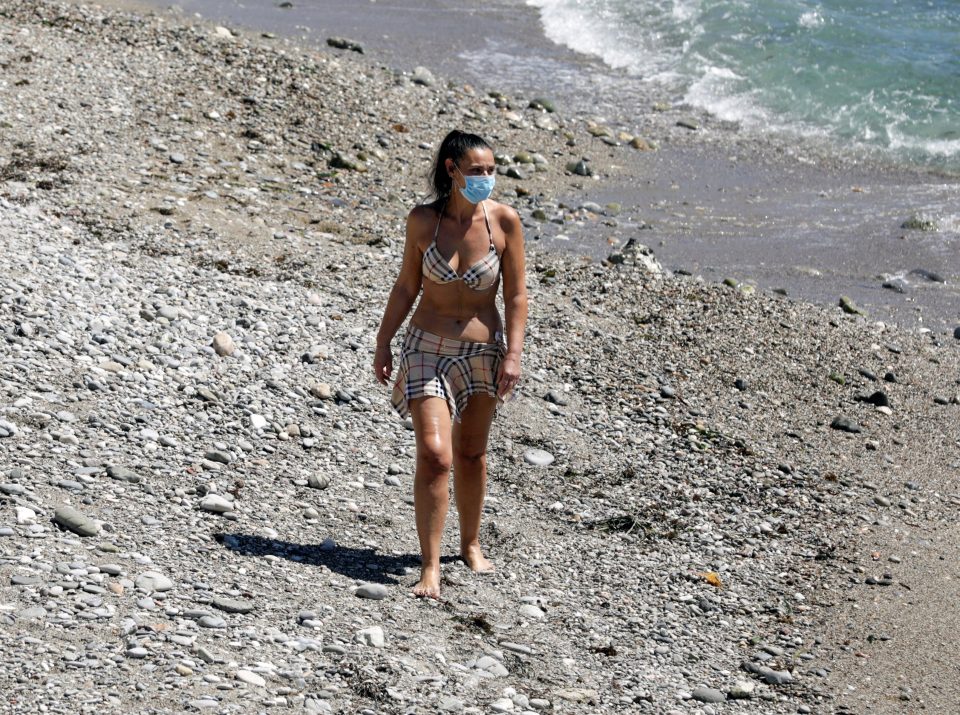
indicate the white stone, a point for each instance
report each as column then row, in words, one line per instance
column 216, row 504
column 223, row 344
column 258, row 421
column 26, row 516
column 251, row 678
column 538, row 457
column 153, row 581
column 372, row 636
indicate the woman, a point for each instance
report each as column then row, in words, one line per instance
column 457, row 360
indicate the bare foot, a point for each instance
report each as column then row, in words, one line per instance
column 429, row 584
column 474, row 558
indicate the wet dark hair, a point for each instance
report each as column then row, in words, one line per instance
column 453, row 146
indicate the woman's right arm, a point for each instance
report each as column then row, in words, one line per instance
column 403, row 294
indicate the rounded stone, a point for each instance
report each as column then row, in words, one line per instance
column 373, row 591
column 212, row 622
column 372, row 636
column 153, row 581
column 232, row 605
column 741, row 690
column 251, row 678
column 708, row 695
column 72, row 520
column 216, row 504
column 223, row 344
column 538, row 457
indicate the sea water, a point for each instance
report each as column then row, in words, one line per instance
column 879, row 74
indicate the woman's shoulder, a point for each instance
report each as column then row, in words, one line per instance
column 506, row 216
column 423, row 215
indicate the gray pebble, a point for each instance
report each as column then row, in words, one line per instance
column 845, row 424
column 212, row 622
column 708, row 695
column 153, row 581
column 374, row 591
column 216, row 504
column 71, row 519
column 232, row 605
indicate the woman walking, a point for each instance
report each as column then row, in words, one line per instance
column 458, row 359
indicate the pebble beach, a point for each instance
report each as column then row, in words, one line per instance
column 706, row 499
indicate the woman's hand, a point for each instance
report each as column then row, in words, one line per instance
column 508, row 375
column 383, row 364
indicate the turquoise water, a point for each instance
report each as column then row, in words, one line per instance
column 883, row 74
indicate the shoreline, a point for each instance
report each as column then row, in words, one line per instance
column 821, row 223
column 703, row 533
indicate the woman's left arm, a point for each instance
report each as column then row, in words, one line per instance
column 513, row 266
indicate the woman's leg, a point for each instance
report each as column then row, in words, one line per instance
column 470, row 475
column 431, row 495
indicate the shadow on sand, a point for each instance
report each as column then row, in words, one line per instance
column 364, row 564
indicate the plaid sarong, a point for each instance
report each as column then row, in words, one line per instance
column 453, row 370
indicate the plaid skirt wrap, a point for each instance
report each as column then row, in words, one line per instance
column 453, row 370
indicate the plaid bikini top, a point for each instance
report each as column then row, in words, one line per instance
column 480, row 276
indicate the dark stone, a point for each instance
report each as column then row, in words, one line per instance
column 556, row 397
column 123, row 474
column 848, row 306
column 879, row 398
column 845, row 424
column 342, row 160
column 890, row 377
column 867, row 374
column 543, row 104
column 342, row 43
column 928, row 275
column 918, row 222
column 740, row 384
column 580, row 168
column 232, row 605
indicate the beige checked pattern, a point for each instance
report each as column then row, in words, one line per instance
column 453, row 370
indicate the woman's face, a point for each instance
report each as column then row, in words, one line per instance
column 476, row 162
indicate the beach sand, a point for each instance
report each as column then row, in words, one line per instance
column 752, row 499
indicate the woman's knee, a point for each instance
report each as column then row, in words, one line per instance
column 471, row 454
column 434, row 461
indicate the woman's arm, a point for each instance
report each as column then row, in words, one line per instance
column 513, row 265
column 403, row 294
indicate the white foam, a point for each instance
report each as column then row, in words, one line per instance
column 811, row 19
column 670, row 43
column 684, row 10
column 592, row 28
column 716, row 91
column 946, row 148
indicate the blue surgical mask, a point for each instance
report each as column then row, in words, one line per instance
column 478, row 188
